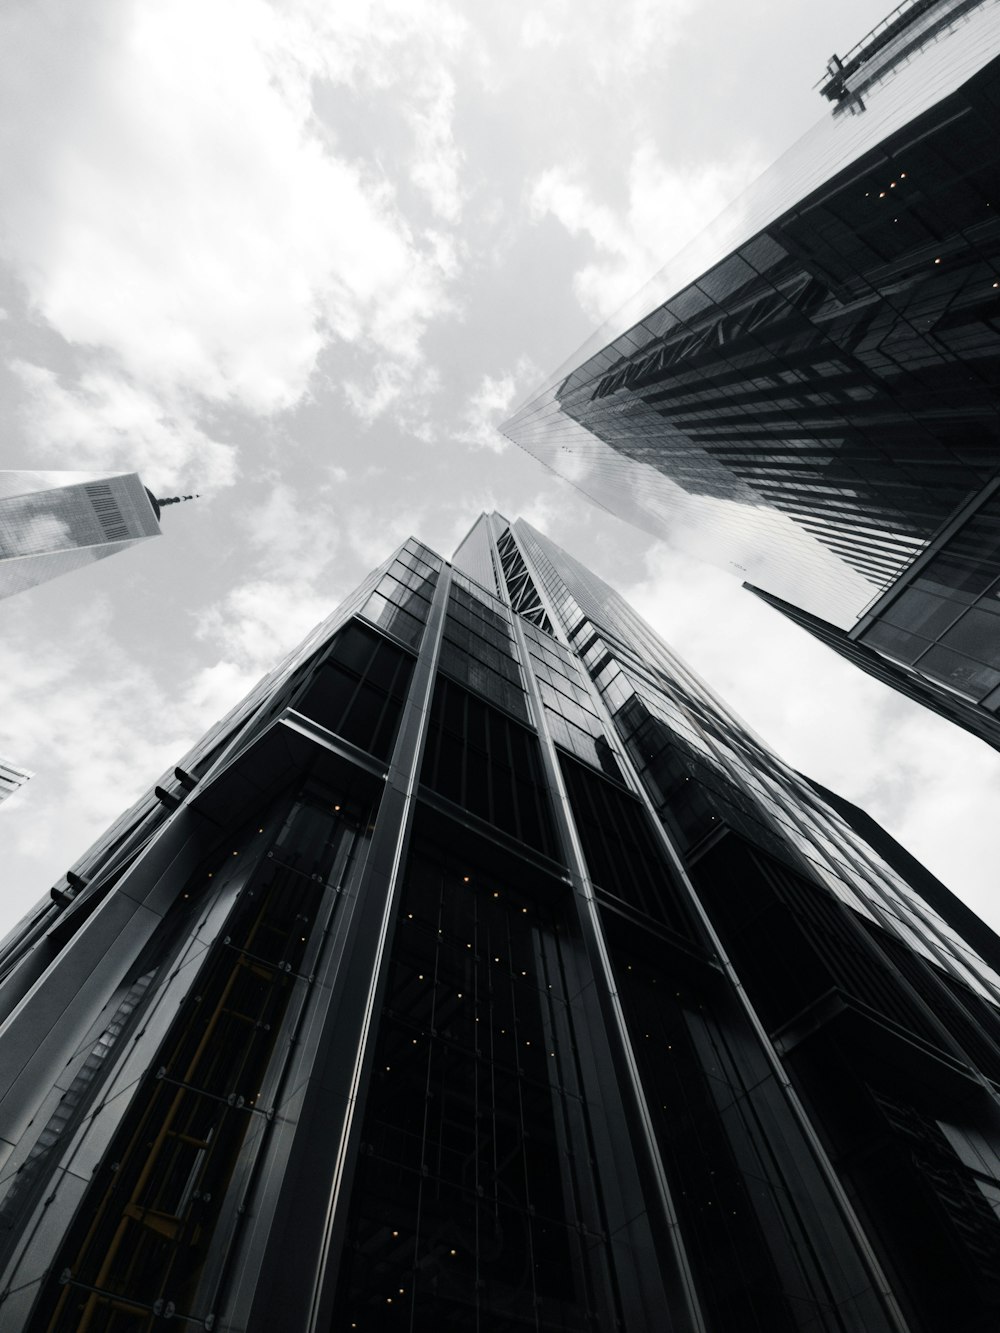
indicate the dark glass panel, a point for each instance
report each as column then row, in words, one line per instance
column 949, row 576
column 921, row 613
column 897, row 643
column 358, row 692
column 620, row 848
column 482, row 759
column 959, row 671
column 978, row 635
column 477, row 1201
column 384, row 613
column 725, row 1211
column 162, row 1191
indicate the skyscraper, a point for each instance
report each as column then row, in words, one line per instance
column 52, row 522
column 481, row 970
column 809, row 393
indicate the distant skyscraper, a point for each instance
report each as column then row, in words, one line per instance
column 809, row 393
column 11, row 778
column 481, row 971
column 52, row 522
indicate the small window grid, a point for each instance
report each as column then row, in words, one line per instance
column 401, row 602
column 478, row 651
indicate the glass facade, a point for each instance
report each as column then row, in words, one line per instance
column 480, row 970
column 48, row 528
column 808, row 395
column 11, row 778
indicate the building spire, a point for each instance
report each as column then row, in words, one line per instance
column 158, row 503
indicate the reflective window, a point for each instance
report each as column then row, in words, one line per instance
column 358, row 691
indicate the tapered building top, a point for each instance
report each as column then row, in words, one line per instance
column 54, row 522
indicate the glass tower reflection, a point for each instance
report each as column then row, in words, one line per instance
column 808, row 394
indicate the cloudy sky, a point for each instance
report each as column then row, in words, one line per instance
column 303, row 258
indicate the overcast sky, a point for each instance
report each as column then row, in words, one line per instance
column 303, row 258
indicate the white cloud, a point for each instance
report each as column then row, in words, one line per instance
column 176, row 211
column 373, row 43
column 86, row 773
column 260, row 621
column 214, row 690
column 405, row 389
column 296, row 536
column 666, row 208
column 372, row 532
column 293, row 584
column 104, row 421
column 619, row 41
column 437, row 164
column 491, row 402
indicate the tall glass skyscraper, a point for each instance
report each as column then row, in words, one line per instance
column 809, row 393
column 482, row 971
column 52, row 522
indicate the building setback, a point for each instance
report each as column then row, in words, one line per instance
column 809, row 394
column 52, row 522
column 481, row 970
